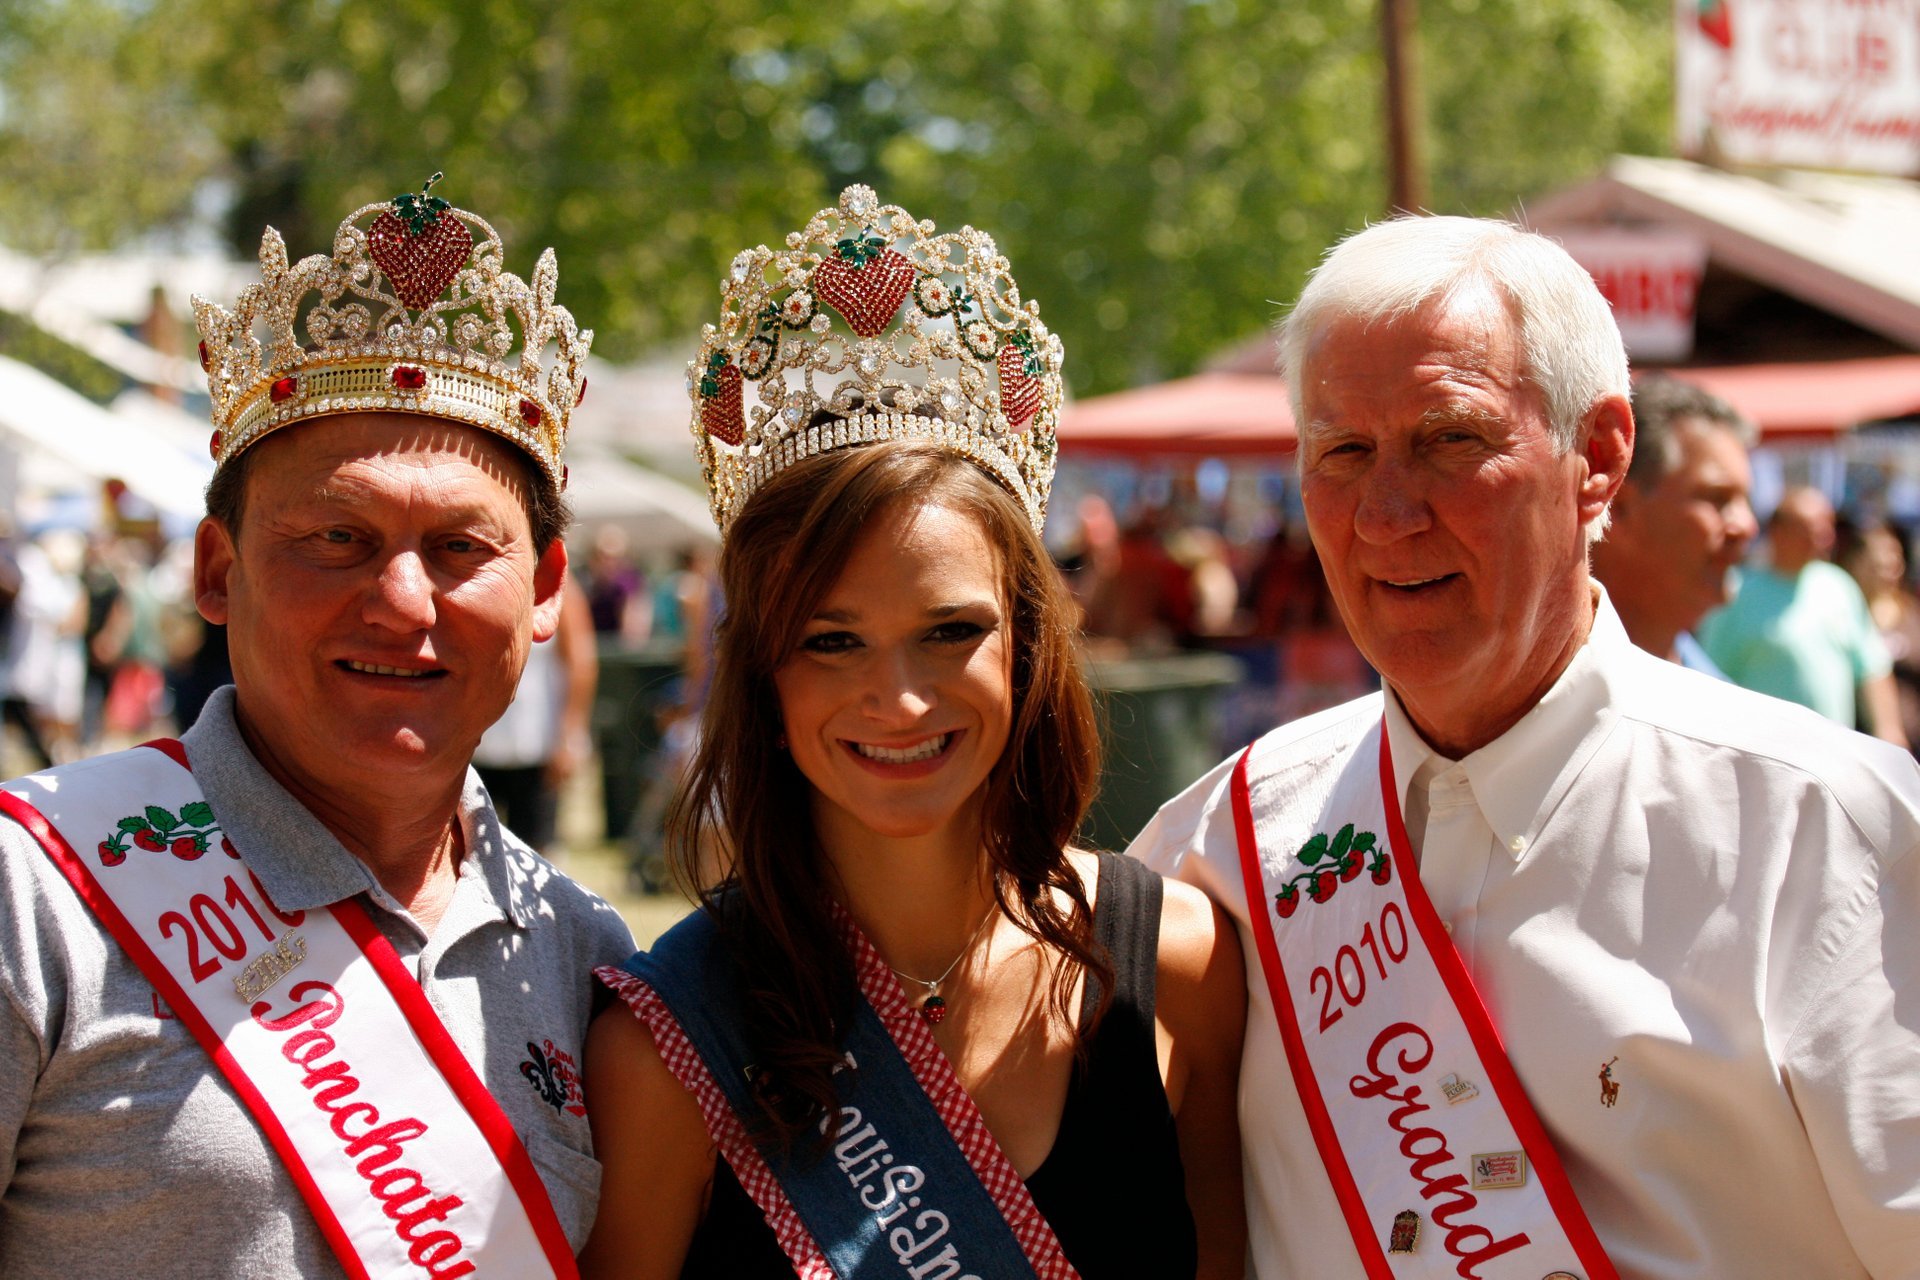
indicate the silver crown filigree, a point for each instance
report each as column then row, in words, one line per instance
column 932, row 342
column 414, row 311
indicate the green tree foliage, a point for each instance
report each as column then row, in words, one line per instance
column 1162, row 173
column 1525, row 97
column 97, row 135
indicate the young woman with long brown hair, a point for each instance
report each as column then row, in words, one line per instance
column 913, row 1031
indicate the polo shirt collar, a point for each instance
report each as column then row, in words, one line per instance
column 303, row 867
column 1520, row 777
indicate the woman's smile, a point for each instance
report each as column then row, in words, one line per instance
column 903, row 675
column 915, row 761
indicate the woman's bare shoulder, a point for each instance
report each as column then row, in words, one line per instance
column 1199, row 950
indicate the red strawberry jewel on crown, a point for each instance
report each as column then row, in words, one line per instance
column 864, row 281
column 1019, row 380
column 417, row 248
column 721, row 409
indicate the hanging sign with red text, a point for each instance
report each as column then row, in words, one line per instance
column 1651, row 279
column 1824, row 84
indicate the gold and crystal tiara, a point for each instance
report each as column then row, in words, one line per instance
column 413, row 312
column 869, row 327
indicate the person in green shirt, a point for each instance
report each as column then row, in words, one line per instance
column 1799, row 628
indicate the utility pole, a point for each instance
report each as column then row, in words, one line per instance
column 1406, row 167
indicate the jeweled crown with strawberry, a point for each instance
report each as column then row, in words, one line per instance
column 414, row 312
column 932, row 342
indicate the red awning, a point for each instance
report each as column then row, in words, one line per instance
column 1247, row 414
column 1209, row 415
column 1822, row 398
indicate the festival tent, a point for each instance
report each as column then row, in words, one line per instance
column 1818, row 399
column 656, row 513
column 1799, row 264
column 1208, row 415
column 1223, row 415
column 1808, row 312
column 92, row 301
column 45, row 422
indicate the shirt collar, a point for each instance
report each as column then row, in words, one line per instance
column 1520, row 777
column 304, row 867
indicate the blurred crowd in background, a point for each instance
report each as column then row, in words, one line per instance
column 103, row 646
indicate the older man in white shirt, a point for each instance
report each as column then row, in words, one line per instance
column 1564, row 960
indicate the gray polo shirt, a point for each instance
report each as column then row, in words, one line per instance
column 124, row 1152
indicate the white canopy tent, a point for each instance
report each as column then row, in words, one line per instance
column 657, row 514
column 57, row 432
column 84, row 301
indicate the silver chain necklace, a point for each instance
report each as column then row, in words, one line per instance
column 934, row 1007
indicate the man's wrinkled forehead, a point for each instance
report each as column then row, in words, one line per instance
column 341, row 442
column 1446, row 351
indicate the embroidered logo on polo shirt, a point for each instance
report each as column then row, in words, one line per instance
column 555, row 1076
column 1609, row 1087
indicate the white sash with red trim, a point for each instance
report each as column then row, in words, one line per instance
column 1438, row 1161
column 407, row 1162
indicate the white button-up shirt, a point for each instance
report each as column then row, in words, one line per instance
column 1714, row 891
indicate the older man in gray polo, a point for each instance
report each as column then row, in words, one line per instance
column 283, row 997
column 1564, row 960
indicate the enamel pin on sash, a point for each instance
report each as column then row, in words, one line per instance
column 1499, row 1170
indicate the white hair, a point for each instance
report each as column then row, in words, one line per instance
column 1571, row 347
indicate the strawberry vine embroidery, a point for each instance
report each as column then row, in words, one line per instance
column 185, row 835
column 1331, row 862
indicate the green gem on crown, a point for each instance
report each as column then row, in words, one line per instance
column 421, row 211
column 860, row 250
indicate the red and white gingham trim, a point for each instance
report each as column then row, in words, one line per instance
column 930, row 1068
column 914, row 1039
column 722, row 1124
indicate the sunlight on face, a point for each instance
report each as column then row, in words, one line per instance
column 1447, row 523
column 898, row 699
column 381, row 593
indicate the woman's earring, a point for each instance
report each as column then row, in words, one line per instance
column 781, row 741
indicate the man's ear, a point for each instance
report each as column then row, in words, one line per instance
column 549, row 588
column 213, row 557
column 1606, row 446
